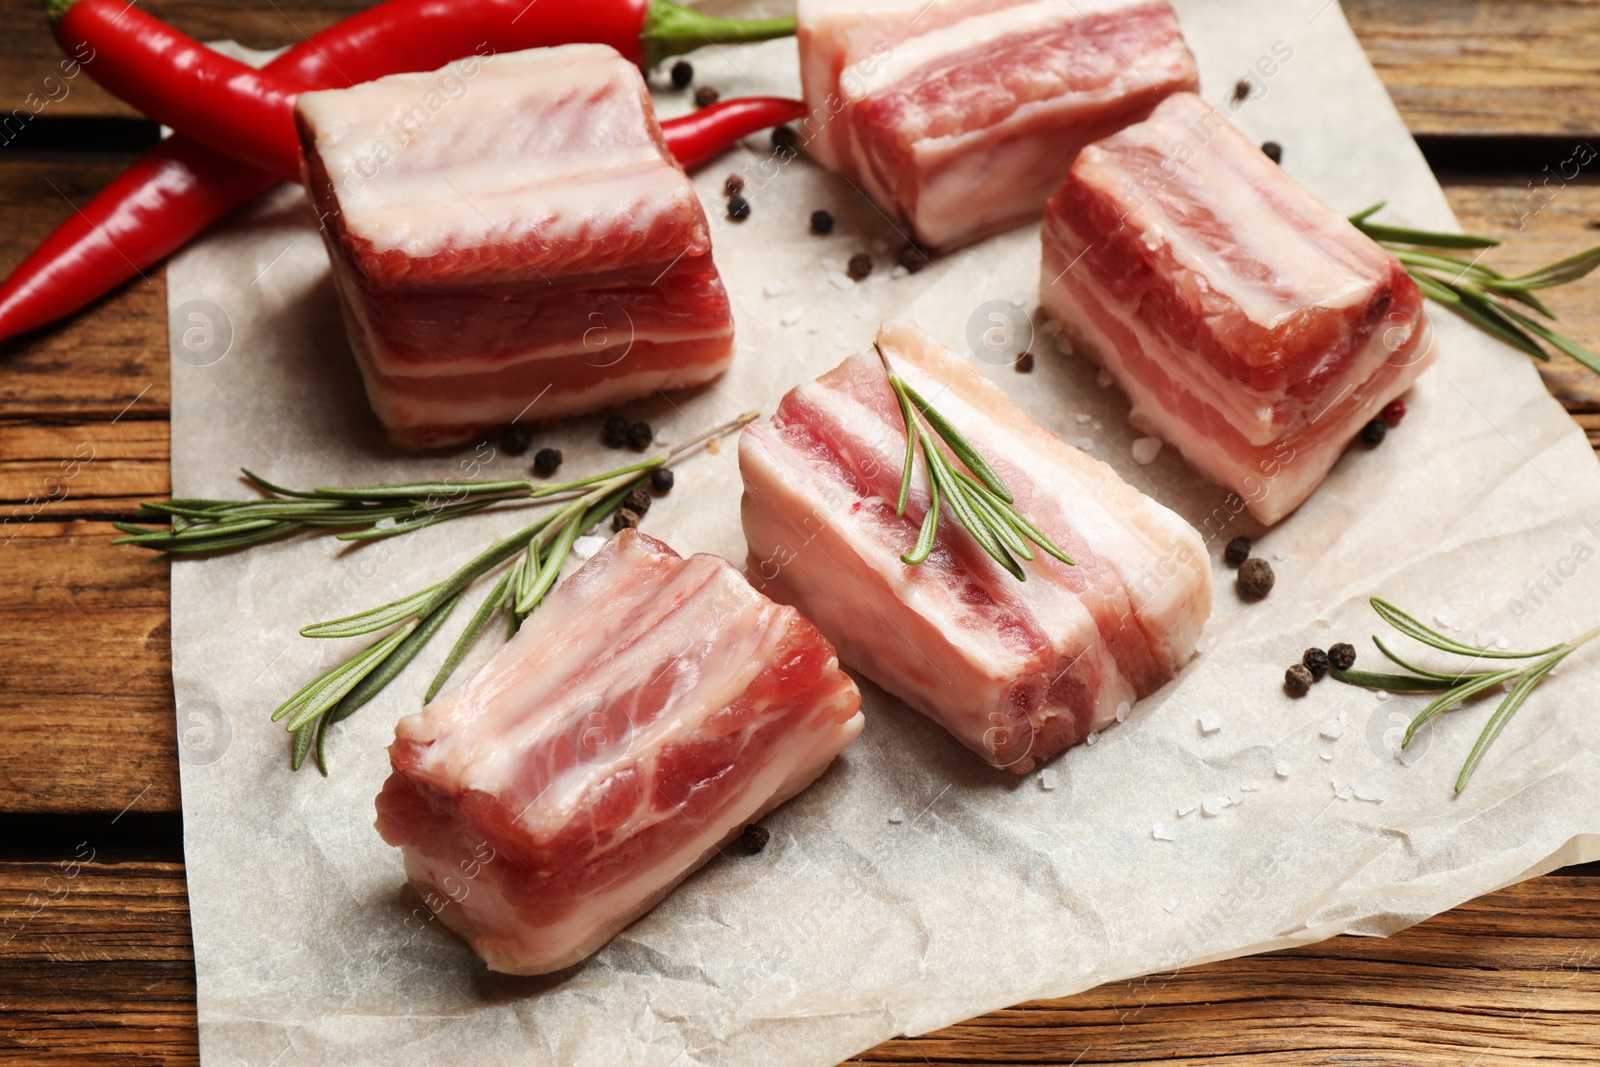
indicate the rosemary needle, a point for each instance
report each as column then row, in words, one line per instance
column 539, row 550
column 1481, row 294
column 977, row 496
column 1456, row 688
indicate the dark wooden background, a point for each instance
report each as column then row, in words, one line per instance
column 95, row 959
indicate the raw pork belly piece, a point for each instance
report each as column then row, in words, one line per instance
column 644, row 715
column 1252, row 327
column 511, row 238
column 1017, row 671
column 961, row 117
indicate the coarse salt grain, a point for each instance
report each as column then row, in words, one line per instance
column 1083, row 444
column 1250, row 785
column 1210, row 722
column 1185, row 809
column 899, row 271
column 1328, row 756
column 830, row 264
column 897, row 815
column 779, row 287
column 1122, row 711
column 1145, row 450
column 792, row 316
column 1092, row 738
column 1333, row 729
column 386, row 523
column 1369, row 789
column 1047, row 778
column 1445, row 617
column 841, row 281
column 1103, row 379
column 1082, row 418
column 1343, row 794
column 1211, row 807
column 586, row 546
column 1282, row 769
column 1172, row 904
column 1161, row 833
column 1382, row 694
column 1281, row 554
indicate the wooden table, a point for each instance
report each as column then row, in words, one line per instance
column 95, row 958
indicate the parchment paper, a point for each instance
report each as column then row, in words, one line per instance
column 911, row 887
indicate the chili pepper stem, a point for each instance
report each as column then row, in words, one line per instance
column 670, row 29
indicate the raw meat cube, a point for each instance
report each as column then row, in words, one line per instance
column 1254, row 329
column 961, row 117
column 1017, row 671
column 511, row 239
column 643, row 716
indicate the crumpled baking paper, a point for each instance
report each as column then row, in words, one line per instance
column 912, row 886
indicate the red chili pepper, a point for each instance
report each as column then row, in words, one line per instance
column 707, row 133
column 248, row 114
column 178, row 188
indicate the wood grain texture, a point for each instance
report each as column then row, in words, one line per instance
column 102, row 972
column 94, row 364
column 1486, row 67
column 95, row 967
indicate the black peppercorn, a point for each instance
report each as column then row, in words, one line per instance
column 1297, row 680
column 755, row 838
column 637, row 501
column 661, row 480
column 786, row 142
column 860, row 266
column 682, row 74
column 1237, row 552
column 738, row 208
column 1255, row 579
column 1024, row 363
column 639, row 435
column 821, row 223
column 734, row 185
column 1342, row 656
column 545, row 461
column 705, row 96
column 1274, row 151
column 625, row 519
column 1374, row 432
column 616, row 431
column 1241, row 89
column 1316, row 661
column 515, row 439
column 912, row 258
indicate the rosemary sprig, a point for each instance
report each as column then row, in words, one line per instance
column 539, row 550
column 1456, row 688
column 1480, row 294
column 977, row 496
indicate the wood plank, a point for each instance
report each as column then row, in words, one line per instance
column 104, row 968
column 84, row 634
column 96, row 965
column 1540, row 227
column 95, row 363
column 1487, row 67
